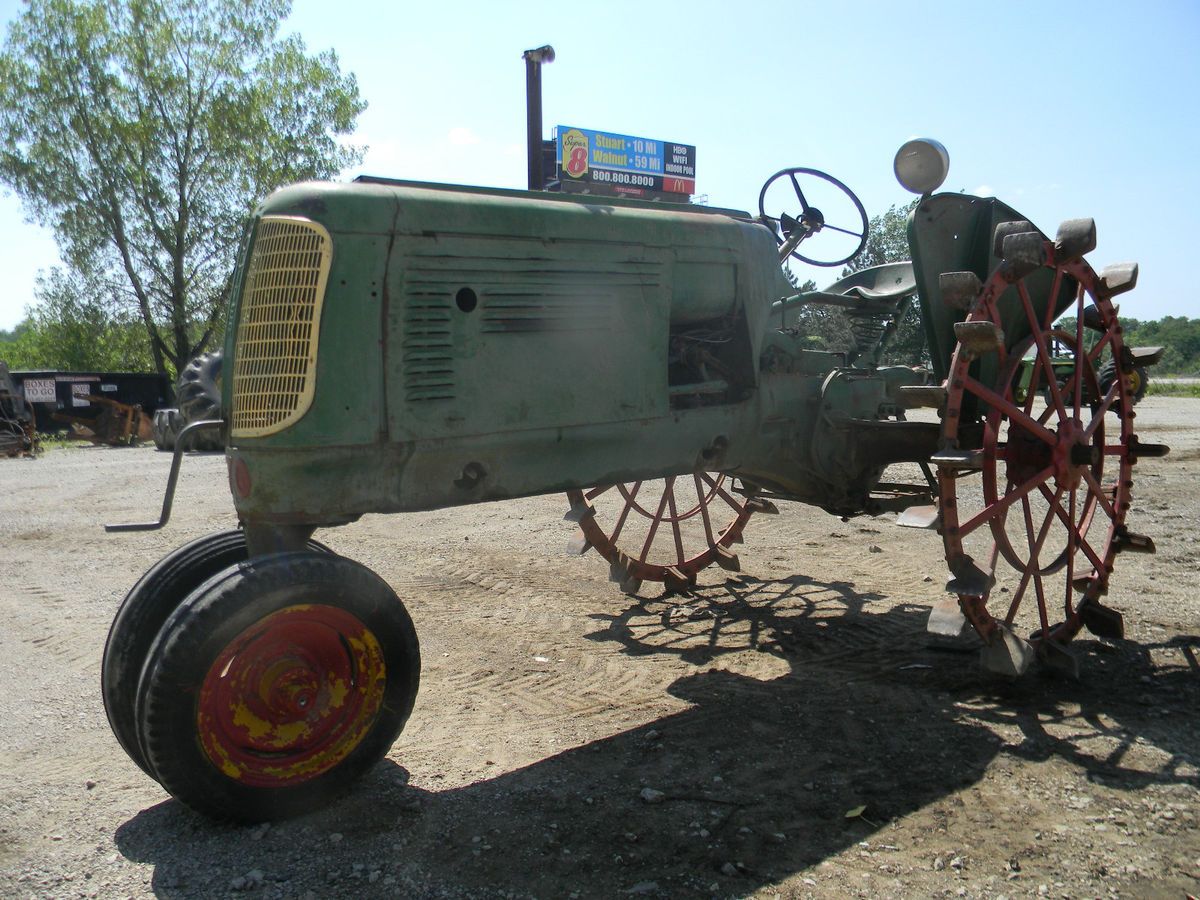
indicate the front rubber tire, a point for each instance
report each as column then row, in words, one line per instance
column 235, row 650
column 141, row 615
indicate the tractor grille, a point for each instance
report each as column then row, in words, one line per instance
column 275, row 355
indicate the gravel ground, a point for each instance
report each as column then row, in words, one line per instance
column 790, row 730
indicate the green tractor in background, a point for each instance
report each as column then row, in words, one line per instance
column 1063, row 363
column 396, row 346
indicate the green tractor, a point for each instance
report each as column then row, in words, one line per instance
column 396, row 346
column 1063, row 363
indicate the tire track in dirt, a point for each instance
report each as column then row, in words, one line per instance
column 522, row 663
column 35, row 617
column 567, row 668
column 531, row 658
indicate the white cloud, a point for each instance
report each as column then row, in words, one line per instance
column 984, row 190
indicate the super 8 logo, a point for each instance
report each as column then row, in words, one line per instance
column 575, row 153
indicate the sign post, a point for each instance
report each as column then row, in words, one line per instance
column 533, row 111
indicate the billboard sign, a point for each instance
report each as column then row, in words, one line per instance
column 624, row 164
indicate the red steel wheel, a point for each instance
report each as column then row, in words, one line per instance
column 663, row 530
column 276, row 684
column 1054, row 466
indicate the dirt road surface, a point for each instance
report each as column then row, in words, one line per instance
column 789, row 730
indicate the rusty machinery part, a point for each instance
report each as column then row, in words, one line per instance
column 1033, row 516
column 663, row 530
column 141, row 615
column 118, row 424
column 301, row 669
column 167, row 425
column 18, row 432
column 785, row 188
column 198, row 394
column 18, row 437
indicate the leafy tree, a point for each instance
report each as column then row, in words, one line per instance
column 887, row 242
column 7, row 337
column 823, row 328
column 142, row 132
column 71, row 330
column 1177, row 335
column 887, row 239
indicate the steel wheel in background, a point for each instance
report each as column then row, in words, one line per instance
column 276, row 685
column 1033, row 514
column 663, row 530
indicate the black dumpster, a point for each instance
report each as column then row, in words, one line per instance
column 56, row 396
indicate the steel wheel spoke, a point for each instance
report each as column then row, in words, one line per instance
column 1062, row 514
column 1035, row 377
column 1103, row 408
column 1054, row 289
column 1080, row 354
column 1041, row 599
column 654, row 522
column 1028, row 571
column 1094, row 353
column 722, row 493
column 1099, row 493
column 678, row 535
column 1008, row 500
column 637, row 486
column 1033, row 567
column 1039, row 338
column 597, row 491
column 1070, row 554
column 1014, row 413
column 701, row 494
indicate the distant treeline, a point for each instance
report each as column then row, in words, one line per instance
column 1180, row 337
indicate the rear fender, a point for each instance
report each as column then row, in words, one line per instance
column 954, row 233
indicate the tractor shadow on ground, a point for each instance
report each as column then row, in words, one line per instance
column 755, row 781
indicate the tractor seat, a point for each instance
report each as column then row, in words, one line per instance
column 881, row 286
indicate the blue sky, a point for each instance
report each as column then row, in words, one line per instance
column 1061, row 111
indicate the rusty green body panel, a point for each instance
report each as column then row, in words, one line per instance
column 479, row 344
column 556, row 377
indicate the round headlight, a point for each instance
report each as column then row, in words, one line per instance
column 921, row 165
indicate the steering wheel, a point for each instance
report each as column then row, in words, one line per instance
column 792, row 231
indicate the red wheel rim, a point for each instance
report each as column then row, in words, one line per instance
column 291, row 696
column 659, row 530
column 1054, row 488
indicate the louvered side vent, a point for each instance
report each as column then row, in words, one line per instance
column 529, row 310
column 428, row 353
column 275, row 351
column 558, row 296
column 517, row 296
